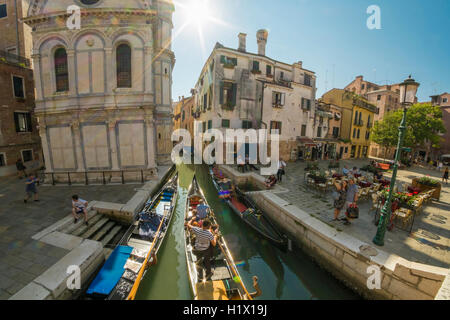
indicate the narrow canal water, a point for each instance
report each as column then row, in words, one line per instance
column 282, row 275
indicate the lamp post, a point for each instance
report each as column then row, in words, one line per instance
column 408, row 90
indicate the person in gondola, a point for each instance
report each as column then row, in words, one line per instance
column 205, row 241
column 202, row 210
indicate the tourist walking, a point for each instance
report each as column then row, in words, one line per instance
column 79, row 206
column 20, row 168
column 205, row 241
column 281, row 170
column 445, row 176
column 439, row 166
column 351, row 198
column 31, row 189
column 339, row 196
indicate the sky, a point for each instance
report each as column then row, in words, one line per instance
column 331, row 37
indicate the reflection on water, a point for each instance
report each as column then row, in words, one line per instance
column 282, row 275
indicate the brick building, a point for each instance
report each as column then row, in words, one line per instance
column 15, row 41
column 19, row 138
column 443, row 101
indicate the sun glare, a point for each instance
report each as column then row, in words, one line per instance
column 198, row 12
column 200, row 15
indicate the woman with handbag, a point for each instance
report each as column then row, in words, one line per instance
column 351, row 208
column 339, row 197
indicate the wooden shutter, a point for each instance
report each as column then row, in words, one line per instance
column 29, row 125
column 282, row 99
column 234, row 60
column 16, row 121
column 221, row 92
column 222, row 59
column 234, row 94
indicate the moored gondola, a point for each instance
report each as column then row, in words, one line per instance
column 127, row 265
column 246, row 209
column 225, row 283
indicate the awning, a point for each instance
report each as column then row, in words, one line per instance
column 307, row 142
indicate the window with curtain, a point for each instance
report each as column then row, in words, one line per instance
column 123, row 59
column 61, row 70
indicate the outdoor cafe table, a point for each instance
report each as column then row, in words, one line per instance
column 364, row 184
column 337, row 175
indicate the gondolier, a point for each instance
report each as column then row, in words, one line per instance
column 205, row 241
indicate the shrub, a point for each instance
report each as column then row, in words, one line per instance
column 428, row 182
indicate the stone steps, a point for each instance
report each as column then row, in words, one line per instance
column 96, row 227
column 111, row 235
column 83, row 228
column 73, row 226
column 104, row 230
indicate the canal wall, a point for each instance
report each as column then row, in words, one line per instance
column 345, row 256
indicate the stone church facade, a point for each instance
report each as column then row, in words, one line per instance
column 103, row 92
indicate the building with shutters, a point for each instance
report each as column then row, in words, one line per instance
column 357, row 117
column 103, row 92
column 242, row 90
column 19, row 138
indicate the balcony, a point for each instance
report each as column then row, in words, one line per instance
column 284, row 82
column 14, row 59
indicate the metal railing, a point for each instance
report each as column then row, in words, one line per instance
column 13, row 58
column 95, row 177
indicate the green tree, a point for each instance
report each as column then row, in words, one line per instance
column 424, row 124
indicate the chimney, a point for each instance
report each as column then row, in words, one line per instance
column 242, row 42
column 261, row 38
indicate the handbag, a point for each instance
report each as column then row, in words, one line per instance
column 352, row 211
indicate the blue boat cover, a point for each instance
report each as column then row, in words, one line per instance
column 111, row 271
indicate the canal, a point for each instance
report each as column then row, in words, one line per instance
column 282, row 275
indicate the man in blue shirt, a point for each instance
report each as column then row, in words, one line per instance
column 202, row 210
column 345, row 171
column 31, row 188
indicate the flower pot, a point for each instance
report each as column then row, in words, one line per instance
column 424, row 188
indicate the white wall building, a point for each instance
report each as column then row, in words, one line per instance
column 238, row 89
column 103, row 92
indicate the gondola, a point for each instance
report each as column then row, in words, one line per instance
column 246, row 209
column 127, row 265
column 225, row 283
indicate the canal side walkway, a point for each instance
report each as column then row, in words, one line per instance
column 24, row 259
column 429, row 241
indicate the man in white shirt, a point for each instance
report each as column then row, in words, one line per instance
column 281, row 172
column 79, row 207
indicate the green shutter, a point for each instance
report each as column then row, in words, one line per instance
column 221, row 92
column 234, row 60
column 234, row 93
column 222, row 59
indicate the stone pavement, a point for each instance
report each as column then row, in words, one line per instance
column 22, row 258
column 429, row 241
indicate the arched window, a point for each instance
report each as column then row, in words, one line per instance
column 61, row 70
column 123, row 59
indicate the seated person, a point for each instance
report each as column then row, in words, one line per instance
column 345, row 171
column 202, row 210
column 377, row 175
column 195, row 219
column 270, row 181
column 355, row 171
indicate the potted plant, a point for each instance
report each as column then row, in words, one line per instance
column 426, row 183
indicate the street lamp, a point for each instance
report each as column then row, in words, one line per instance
column 408, row 90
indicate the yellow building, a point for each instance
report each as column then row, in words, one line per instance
column 356, row 122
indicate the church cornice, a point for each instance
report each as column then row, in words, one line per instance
column 99, row 12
